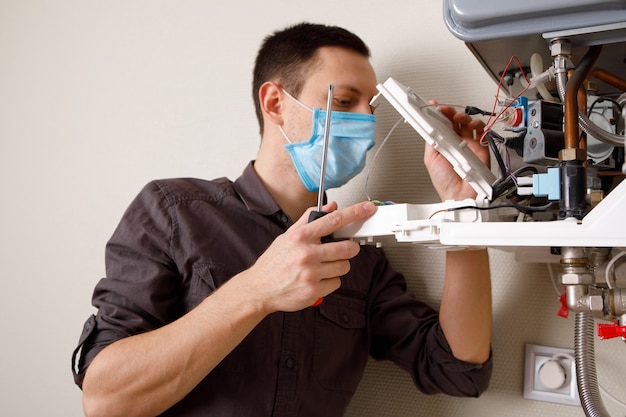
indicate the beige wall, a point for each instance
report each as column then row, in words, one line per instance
column 98, row 97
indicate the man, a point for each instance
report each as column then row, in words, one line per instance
column 211, row 301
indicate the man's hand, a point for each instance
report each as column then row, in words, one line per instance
column 447, row 183
column 297, row 269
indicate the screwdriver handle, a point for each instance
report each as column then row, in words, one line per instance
column 314, row 215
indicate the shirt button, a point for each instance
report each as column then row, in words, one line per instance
column 345, row 318
column 290, row 363
column 284, row 218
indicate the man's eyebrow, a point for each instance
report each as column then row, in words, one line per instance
column 349, row 88
column 353, row 89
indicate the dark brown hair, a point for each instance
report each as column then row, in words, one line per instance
column 287, row 55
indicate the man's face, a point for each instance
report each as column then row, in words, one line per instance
column 354, row 83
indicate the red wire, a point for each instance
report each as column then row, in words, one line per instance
column 489, row 124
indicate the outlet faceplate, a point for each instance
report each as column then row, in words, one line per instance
column 535, row 389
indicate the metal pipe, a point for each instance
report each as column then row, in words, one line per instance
column 609, row 78
column 582, row 107
column 584, row 123
column 571, row 95
column 586, row 376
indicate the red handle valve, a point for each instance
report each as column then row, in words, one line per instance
column 564, row 310
column 609, row 331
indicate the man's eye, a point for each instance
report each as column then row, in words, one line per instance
column 342, row 102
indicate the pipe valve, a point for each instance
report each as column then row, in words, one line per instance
column 610, row 331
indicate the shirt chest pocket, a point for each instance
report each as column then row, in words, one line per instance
column 341, row 342
column 206, row 277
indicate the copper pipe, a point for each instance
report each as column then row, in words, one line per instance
column 582, row 105
column 608, row 77
column 571, row 95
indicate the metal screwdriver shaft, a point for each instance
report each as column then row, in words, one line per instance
column 329, row 105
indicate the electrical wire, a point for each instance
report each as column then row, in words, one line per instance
column 508, row 179
column 472, row 110
column 504, row 170
column 603, row 99
column 504, row 167
column 506, row 184
column 371, row 164
column 519, row 207
column 616, row 117
column 609, row 267
column 553, row 279
column 489, row 124
column 511, row 205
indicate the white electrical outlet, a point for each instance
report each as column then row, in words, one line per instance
column 548, row 380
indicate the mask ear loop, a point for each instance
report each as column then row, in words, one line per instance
column 371, row 164
column 301, row 104
column 296, row 100
column 284, row 134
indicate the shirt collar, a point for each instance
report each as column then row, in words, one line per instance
column 253, row 193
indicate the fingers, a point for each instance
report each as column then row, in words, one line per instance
column 327, row 208
column 297, row 269
column 336, row 219
column 464, row 125
column 449, row 111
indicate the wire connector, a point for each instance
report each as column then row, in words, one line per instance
column 524, row 185
column 472, row 111
column 548, row 184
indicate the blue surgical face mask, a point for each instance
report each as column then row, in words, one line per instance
column 351, row 135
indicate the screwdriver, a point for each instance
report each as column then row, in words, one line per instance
column 320, row 193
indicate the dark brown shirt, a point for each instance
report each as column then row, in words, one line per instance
column 180, row 239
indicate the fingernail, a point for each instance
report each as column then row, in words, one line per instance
column 368, row 206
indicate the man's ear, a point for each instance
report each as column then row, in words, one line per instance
column 271, row 102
